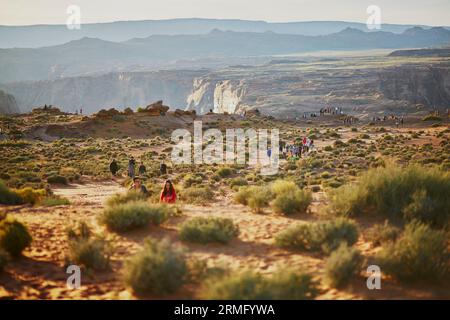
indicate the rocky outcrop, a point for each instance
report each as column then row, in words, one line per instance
column 8, row 103
column 427, row 85
column 156, row 109
column 218, row 95
column 227, row 96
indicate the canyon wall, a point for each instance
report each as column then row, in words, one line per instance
column 118, row 90
column 427, row 85
column 8, row 103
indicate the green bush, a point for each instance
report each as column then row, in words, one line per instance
column 86, row 250
column 256, row 197
column 431, row 118
column 132, row 215
column 30, row 195
column 54, row 201
column 197, row 195
column 421, row 253
column 159, row 268
column 325, row 235
column 238, row 182
column 204, row 230
column 413, row 192
column 292, row 202
column 280, row 187
column 14, row 236
column 286, row 285
column 224, row 172
column 8, row 196
column 382, row 233
column 56, row 179
column 3, row 259
column 343, row 263
column 121, row 198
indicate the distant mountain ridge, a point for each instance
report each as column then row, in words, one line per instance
column 94, row 56
column 49, row 35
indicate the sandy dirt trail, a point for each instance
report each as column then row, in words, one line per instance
column 40, row 273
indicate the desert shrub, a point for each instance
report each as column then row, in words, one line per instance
column 55, row 201
column 3, row 259
column 382, row 233
column 421, row 253
column 86, row 250
column 224, row 172
column 413, row 192
column 292, row 202
column 204, row 230
column 30, row 195
column 342, row 264
column 286, row 285
column 132, row 215
column 431, row 118
column 7, row 196
column 14, row 236
column 283, row 186
column 121, row 198
column 57, row 179
column 259, row 199
column 256, row 197
column 238, row 182
column 197, row 195
column 192, row 179
column 324, row 235
column 160, row 268
column 242, row 195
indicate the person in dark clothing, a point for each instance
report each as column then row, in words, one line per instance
column 138, row 186
column 131, row 170
column 142, row 170
column 113, row 167
column 163, row 168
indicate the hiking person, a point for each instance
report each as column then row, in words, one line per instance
column 142, row 170
column 131, row 164
column 163, row 168
column 168, row 194
column 138, row 186
column 113, row 167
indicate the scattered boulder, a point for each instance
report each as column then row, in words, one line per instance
column 105, row 114
column 128, row 111
column 252, row 113
column 156, row 109
column 179, row 113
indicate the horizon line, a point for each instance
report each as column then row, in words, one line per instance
column 222, row 19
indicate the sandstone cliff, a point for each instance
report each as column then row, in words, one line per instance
column 8, row 104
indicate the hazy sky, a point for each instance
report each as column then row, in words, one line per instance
column 25, row 12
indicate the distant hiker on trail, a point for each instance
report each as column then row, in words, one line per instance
column 142, row 170
column 269, row 152
column 168, row 194
column 163, row 168
column 138, row 186
column 113, row 167
column 131, row 164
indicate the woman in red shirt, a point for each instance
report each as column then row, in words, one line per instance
column 168, row 194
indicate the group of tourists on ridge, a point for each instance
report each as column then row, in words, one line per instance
column 168, row 194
